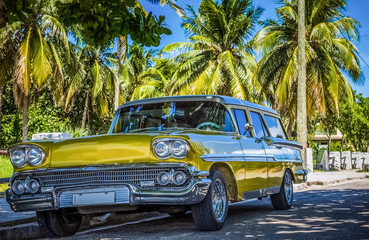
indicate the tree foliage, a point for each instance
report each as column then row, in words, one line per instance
column 330, row 52
column 103, row 21
column 218, row 59
column 354, row 123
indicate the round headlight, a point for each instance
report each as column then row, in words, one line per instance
column 35, row 156
column 162, row 149
column 32, row 186
column 179, row 178
column 18, row 157
column 18, row 187
column 163, row 178
column 179, row 149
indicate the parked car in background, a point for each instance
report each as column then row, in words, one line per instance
column 173, row 154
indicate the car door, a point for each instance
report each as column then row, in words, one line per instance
column 276, row 147
column 254, row 155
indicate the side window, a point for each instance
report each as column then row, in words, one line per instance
column 259, row 127
column 241, row 120
column 275, row 127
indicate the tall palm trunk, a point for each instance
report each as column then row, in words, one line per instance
column 1, row 105
column 301, row 86
column 122, row 45
column 25, row 118
column 85, row 112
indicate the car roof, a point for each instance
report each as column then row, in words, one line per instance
column 213, row 98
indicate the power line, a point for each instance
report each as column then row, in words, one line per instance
column 357, row 52
column 362, row 59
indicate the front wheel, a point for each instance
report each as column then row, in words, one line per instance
column 60, row 223
column 211, row 213
column 283, row 200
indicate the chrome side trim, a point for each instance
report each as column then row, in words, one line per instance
column 222, row 157
column 261, row 192
column 288, row 144
column 236, row 158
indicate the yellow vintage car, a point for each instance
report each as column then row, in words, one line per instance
column 172, row 154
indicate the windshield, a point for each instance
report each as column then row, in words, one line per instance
column 202, row 115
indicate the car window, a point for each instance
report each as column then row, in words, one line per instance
column 275, row 127
column 259, row 127
column 241, row 120
column 201, row 115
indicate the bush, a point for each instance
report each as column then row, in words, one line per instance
column 6, row 170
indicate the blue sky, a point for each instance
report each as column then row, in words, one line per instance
column 357, row 9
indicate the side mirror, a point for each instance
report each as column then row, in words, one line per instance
column 249, row 127
column 294, row 135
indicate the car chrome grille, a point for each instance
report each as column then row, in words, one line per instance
column 65, row 178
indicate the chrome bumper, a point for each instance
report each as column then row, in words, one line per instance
column 193, row 194
column 301, row 176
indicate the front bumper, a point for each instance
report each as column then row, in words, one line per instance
column 193, row 194
column 301, row 176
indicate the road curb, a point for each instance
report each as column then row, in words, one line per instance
column 309, row 184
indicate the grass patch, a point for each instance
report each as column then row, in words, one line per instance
column 6, row 170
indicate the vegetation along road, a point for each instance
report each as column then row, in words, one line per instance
column 335, row 212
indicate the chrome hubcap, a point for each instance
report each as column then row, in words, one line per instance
column 219, row 199
column 288, row 188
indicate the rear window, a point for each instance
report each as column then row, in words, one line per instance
column 275, row 126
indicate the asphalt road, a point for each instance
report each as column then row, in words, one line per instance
column 336, row 212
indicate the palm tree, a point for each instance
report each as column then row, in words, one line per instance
column 218, row 59
column 36, row 61
column 137, row 62
column 122, row 48
column 154, row 81
column 90, row 78
column 329, row 53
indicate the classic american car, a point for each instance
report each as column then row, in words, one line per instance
column 172, row 154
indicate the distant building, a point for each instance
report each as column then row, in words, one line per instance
column 322, row 138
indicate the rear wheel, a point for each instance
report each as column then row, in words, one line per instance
column 59, row 223
column 283, row 200
column 211, row 213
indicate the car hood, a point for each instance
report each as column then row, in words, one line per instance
column 125, row 148
column 104, row 149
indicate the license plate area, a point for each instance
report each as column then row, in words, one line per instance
column 96, row 198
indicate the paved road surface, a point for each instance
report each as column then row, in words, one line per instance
column 336, row 212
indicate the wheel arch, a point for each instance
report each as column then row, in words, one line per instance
column 292, row 175
column 227, row 172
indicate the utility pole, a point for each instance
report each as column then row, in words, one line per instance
column 301, row 85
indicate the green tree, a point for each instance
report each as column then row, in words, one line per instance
column 7, row 52
column 154, row 81
column 330, row 52
column 218, row 59
column 90, row 79
column 36, row 62
column 354, row 123
column 123, row 46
